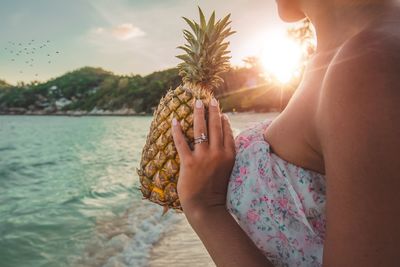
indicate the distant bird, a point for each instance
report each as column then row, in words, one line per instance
column 25, row 53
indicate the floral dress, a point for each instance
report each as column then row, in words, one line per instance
column 279, row 205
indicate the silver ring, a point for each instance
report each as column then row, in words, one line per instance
column 201, row 139
column 202, row 136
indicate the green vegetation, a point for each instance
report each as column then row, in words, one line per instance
column 94, row 89
column 87, row 89
column 4, row 85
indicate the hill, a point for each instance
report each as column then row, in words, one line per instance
column 89, row 89
column 4, row 85
column 94, row 91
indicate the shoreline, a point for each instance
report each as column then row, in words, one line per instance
column 77, row 113
column 180, row 247
column 116, row 113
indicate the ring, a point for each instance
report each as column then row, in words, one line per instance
column 201, row 139
column 202, row 136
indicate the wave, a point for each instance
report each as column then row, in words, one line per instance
column 6, row 148
column 127, row 240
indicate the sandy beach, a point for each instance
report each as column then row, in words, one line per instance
column 180, row 247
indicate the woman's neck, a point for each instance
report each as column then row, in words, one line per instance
column 336, row 21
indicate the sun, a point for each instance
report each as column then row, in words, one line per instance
column 281, row 56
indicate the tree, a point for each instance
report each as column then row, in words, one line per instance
column 304, row 34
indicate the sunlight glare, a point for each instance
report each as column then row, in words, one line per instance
column 281, row 57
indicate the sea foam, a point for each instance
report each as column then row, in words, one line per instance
column 127, row 240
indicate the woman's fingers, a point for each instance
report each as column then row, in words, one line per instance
column 179, row 139
column 229, row 142
column 214, row 125
column 200, row 126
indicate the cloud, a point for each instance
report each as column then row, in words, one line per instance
column 98, row 30
column 126, row 31
column 122, row 32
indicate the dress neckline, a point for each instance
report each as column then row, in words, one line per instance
column 261, row 138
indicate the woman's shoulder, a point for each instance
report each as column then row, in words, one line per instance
column 363, row 78
column 369, row 58
column 379, row 42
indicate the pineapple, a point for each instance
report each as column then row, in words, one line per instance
column 205, row 59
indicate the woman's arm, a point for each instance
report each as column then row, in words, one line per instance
column 359, row 129
column 225, row 241
column 202, row 187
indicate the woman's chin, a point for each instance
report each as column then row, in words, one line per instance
column 291, row 19
column 289, row 14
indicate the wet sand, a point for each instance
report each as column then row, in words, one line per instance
column 180, row 247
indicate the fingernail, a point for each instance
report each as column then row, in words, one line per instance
column 174, row 122
column 225, row 117
column 214, row 102
column 199, row 103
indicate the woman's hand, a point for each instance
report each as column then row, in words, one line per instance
column 202, row 186
column 204, row 172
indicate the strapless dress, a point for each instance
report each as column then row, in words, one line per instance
column 279, row 205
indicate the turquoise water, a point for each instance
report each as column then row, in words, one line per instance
column 69, row 192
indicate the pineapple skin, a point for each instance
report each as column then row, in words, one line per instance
column 159, row 166
column 205, row 58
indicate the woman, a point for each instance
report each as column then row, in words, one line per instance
column 336, row 141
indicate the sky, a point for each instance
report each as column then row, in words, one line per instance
column 123, row 36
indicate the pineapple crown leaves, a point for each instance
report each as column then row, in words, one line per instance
column 206, row 51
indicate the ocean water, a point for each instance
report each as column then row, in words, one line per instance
column 69, row 192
